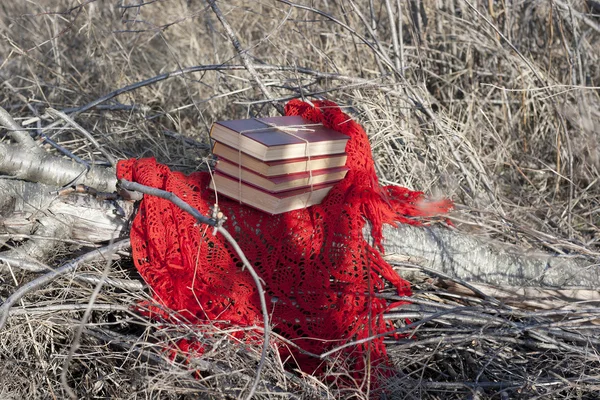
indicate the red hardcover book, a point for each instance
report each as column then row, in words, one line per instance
column 281, row 183
column 271, row 203
column 279, row 167
column 279, row 138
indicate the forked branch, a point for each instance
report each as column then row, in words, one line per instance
column 217, row 223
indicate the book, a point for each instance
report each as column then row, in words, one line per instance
column 279, row 138
column 271, row 203
column 281, row 183
column 278, row 167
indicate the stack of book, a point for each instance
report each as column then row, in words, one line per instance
column 277, row 164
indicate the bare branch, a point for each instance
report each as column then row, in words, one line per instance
column 18, row 134
column 88, row 136
column 243, row 56
column 49, row 277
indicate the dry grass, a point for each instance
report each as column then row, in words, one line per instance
column 494, row 104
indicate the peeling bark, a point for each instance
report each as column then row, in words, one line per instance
column 51, row 170
column 473, row 260
column 32, row 210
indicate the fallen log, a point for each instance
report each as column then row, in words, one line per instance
column 475, row 260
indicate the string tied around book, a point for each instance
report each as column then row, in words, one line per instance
column 289, row 129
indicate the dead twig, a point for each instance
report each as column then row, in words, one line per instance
column 86, row 134
column 86, row 315
column 49, row 277
column 243, row 56
column 17, row 133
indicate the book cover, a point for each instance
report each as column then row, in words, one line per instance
column 278, row 167
column 277, row 138
column 281, row 183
